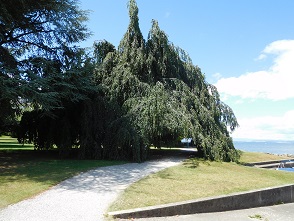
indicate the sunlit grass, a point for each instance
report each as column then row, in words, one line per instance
column 8, row 143
column 197, row 179
column 250, row 157
column 25, row 173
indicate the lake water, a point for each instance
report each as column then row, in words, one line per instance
column 275, row 147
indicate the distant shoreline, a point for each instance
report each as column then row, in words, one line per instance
column 285, row 148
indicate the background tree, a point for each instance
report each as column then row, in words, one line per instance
column 41, row 67
column 62, row 125
column 33, row 33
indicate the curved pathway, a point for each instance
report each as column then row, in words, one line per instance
column 84, row 197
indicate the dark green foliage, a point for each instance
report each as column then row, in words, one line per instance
column 163, row 96
column 42, row 27
column 101, row 49
column 35, row 41
column 120, row 102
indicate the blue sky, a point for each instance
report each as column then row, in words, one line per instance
column 244, row 47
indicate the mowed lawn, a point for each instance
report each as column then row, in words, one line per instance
column 9, row 144
column 197, row 179
column 25, row 172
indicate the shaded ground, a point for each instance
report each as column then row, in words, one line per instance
column 88, row 195
column 166, row 152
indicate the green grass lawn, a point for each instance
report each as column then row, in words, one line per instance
column 197, row 179
column 250, row 157
column 8, row 144
column 25, row 172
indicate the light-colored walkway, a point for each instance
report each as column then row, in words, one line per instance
column 84, row 197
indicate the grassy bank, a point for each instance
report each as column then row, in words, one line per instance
column 197, row 178
column 25, row 173
column 250, row 157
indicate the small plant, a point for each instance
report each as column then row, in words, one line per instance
column 279, row 202
column 192, row 163
column 256, row 216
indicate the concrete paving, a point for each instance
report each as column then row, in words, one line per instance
column 86, row 196
column 283, row 212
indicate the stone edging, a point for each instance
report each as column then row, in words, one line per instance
column 243, row 200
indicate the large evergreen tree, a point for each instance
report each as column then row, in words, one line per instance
column 35, row 36
column 144, row 93
column 164, row 96
column 123, row 75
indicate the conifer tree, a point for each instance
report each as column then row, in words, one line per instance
column 123, row 101
column 163, row 97
column 35, row 34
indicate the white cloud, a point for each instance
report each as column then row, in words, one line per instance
column 266, row 128
column 276, row 83
column 217, row 76
column 261, row 57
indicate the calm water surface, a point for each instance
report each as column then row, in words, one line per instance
column 275, row 147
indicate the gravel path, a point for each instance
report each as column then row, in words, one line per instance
column 84, row 197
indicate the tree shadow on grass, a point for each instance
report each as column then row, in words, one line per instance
column 42, row 166
column 45, row 167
